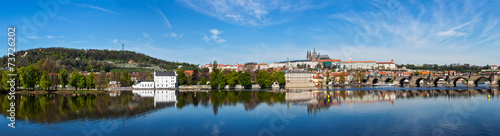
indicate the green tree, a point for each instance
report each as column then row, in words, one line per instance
column 342, row 78
column 63, row 76
column 221, row 78
column 279, row 76
column 246, row 79
column 264, row 79
column 6, row 79
column 183, row 80
column 213, row 79
column 126, row 79
column 30, row 77
column 360, row 76
column 73, row 79
column 90, row 80
column 194, row 77
column 44, row 81
column 328, row 77
column 203, row 81
column 233, row 78
column 82, row 82
column 100, row 81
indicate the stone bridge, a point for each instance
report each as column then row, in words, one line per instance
column 428, row 80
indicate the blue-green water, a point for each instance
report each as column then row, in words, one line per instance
column 342, row 112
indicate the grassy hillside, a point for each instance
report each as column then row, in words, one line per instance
column 93, row 60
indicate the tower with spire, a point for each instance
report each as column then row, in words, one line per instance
column 314, row 55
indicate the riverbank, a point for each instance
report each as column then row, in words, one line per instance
column 60, row 91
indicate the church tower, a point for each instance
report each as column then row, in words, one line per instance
column 314, row 57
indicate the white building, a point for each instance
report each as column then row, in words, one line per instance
column 387, row 65
column 161, row 80
column 144, row 84
column 359, row 64
column 165, row 79
column 298, row 78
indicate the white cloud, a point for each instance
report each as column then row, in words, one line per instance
column 255, row 12
column 450, row 33
column 214, row 37
column 50, row 37
column 114, row 41
column 419, row 32
column 95, row 7
column 173, row 35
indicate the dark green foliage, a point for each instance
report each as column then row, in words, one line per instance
column 91, row 59
column 245, row 79
column 203, row 81
column 29, row 76
column 63, row 76
column 264, row 79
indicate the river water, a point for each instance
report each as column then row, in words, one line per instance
column 361, row 111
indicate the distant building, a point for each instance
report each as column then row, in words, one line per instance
column 386, row 65
column 298, row 79
column 262, row 66
column 144, row 84
column 359, row 64
column 315, row 56
column 130, row 61
column 161, row 80
column 113, row 84
column 494, row 67
column 165, row 79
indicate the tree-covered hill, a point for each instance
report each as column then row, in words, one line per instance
column 91, row 59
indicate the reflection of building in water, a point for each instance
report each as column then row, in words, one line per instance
column 317, row 100
column 162, row 98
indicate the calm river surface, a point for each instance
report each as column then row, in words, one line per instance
column 432, row 111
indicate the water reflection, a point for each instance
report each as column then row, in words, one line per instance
column 165, row 98
column 50, row 108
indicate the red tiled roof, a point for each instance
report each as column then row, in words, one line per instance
column 262, row 64
column 385, row 62
column 329, row 60
column 188, row 72
column 359, row 62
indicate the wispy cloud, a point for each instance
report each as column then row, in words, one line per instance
column 162, row 16
column 430, row 29
column 94, row 7
column 33, row 37
column 214, row 37
column 173, row 35
column 255, row 13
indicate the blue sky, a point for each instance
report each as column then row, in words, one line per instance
column 237, row 31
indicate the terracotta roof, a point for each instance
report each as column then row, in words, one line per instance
column 262, row 64
column 188, row 72
column 359, row 62
column 385, row 62
column 329, row 60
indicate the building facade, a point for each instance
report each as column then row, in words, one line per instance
column 387, row 65
column 165, row 79
column 298, row 79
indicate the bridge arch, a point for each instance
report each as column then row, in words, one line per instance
column 458, row 78
column 478, row 79
column 388, row 80
column 417, row 82
column 374, row 81
column 402, row 81
column 437, row 79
